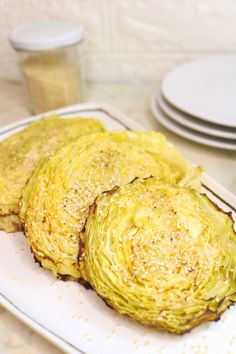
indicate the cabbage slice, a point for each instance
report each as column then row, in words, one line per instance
column 163, row 255
column 57, row 198
column 21, row 152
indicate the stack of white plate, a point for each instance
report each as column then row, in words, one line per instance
column 198, row 101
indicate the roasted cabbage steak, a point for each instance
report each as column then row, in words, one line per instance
column 163, row 255
column 21, row 152
column 57, row 198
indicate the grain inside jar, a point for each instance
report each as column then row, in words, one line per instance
column 49, row 57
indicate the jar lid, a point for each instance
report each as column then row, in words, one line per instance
column 46, row 35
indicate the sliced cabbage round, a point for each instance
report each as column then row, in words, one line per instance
column 163, row 255
column 21, row 152
column 57, row 198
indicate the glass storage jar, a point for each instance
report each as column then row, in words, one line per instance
column 49, row 59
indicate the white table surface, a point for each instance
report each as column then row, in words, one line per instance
column 134, row 100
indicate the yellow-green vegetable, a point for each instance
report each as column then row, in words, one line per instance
column 163, row 255
column 57, row 198
column 21, row 152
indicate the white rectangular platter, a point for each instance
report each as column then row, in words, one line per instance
column 74, row 318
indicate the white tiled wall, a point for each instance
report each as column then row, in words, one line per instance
column 130, row 40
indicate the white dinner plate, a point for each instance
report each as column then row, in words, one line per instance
column 187, row 133
column 74, row 318
column 205, row 88
column 195, row 124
